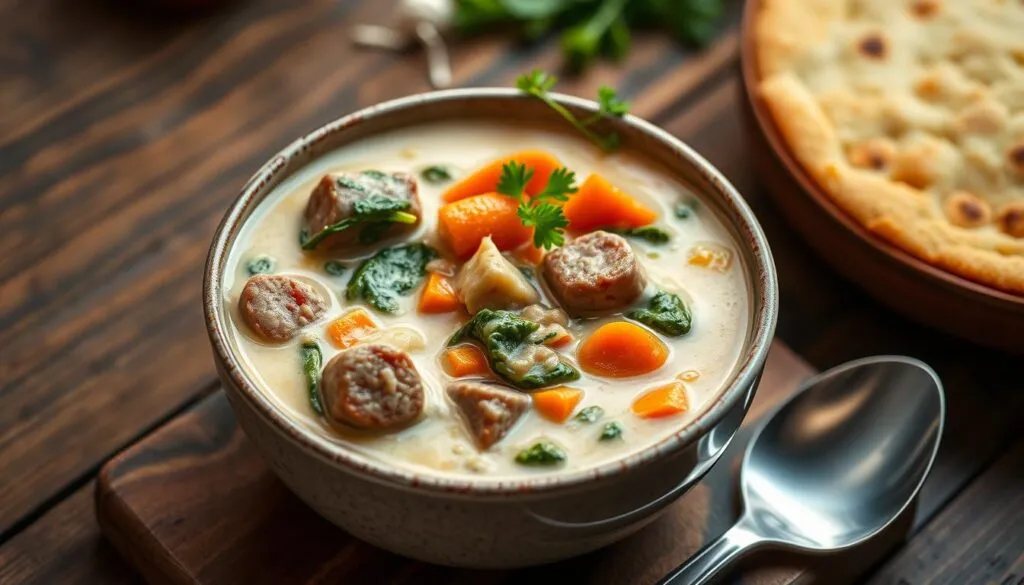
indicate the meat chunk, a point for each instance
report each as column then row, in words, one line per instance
column 334, row 197
column 372, row 386
column 489, row 410
column 489, row 281
column 594, row 273
column 276, row 307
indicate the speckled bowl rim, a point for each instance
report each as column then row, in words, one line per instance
column 761, row 274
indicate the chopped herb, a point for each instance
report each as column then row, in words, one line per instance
column 303, row 237
column 436, row 174
column 389, row 274
column 505, row 336
column 539, row 84
column 665, row 313
column 334, row 268
column 611, row 431
column 649, row 233
column 683, row 210
column 312, row 362
column 376, row 213
column 540, row 211
column 260, row 265
column 543, row 453
column 589, row 414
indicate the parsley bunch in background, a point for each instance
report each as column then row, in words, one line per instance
column 592, row 28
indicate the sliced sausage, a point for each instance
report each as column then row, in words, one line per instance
column 333, row 198
column 594, row 273
column 276, row 307
column 489, row 410
column 372, row 386
column 489, row 281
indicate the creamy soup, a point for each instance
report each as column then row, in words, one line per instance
column 609, row 368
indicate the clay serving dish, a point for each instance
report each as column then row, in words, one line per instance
column 898, row 279
column 491, row 522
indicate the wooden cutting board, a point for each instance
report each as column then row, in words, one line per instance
column 193, row 503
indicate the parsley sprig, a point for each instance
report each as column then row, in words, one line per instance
column 541, row 211
column 539, row 84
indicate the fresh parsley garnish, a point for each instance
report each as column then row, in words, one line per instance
column 541, row 211
column 539, row 84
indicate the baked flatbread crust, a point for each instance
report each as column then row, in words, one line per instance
column 910, row 115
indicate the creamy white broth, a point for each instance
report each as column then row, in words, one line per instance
column 439, row 441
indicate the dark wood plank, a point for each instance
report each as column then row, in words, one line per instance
column 194, row 504
column 978, row 538
column 122, row 146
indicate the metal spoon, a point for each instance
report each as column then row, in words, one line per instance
column 834, row 465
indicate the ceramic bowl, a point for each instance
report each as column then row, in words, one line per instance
column 896, row 278
column 492, row 524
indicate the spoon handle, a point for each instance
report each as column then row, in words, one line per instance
column 710, row 560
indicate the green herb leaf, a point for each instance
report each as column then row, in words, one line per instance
column 539, row 84
column 647, row 233
column 513, row 179
column 334, row 268
column 665, row 313
column 436, row 174
column 589, row 414
column 561, row 184
column 547, row 219
column 683, row 210
column 373, row 208
column 582, row 42
column 611, row 431
column 389, row 274
column 548, row 223
column 303, row 237
column 312, row 363
column 544, row 453
column 260, row 265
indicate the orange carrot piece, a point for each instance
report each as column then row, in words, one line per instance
column 599, row 204
column 438, row 295
column 464, row 223
column 346, row 330
column 465, row 360
column 620, row 349
column 557, row 404
column 563, row 338
column 485, row 179
column 662, row 401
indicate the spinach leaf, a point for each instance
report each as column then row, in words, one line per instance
column 436, row 174
column 334, row 268
column 683, row 210
column 312, row 362
column 505, row 336
column 649, row 233
column 376, row 213
column 260, row 265
column 388, row 274
column 665, row 313
column 543, row 453
column 612, row 430
column 589, row 414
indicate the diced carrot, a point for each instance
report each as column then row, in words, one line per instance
column 662, row 401
column 599, row 204
column 465, row 222
column 557, row 403
column 620, row 349
column 346, row 330
column 485, row 179
column 465, row 360
column 438, row 295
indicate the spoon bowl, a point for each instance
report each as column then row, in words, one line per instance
column 835, row 464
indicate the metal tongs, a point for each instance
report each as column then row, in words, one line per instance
column 415, row 21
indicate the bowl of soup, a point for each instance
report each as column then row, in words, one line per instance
column 462, row 332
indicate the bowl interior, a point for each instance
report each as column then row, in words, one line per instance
column 507, row 106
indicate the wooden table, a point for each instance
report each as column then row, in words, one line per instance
column 123, row 137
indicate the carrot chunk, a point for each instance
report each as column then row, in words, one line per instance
column 465, row 360
column 464, row 223
column 662, row 401
column 557, row 404
column 599, row 204
column 438, row 295
column 620, row 349
column 485, row 179
column 345, row 331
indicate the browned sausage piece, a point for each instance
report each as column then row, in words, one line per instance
column 372, row 386
column 333, row 198
column 594, row 273
column 490, row 411
column 276, row 307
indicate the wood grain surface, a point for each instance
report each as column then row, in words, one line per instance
column 124, row 136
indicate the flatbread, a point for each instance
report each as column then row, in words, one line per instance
column 910, row 114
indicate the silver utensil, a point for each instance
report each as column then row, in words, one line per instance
column 834, row 465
